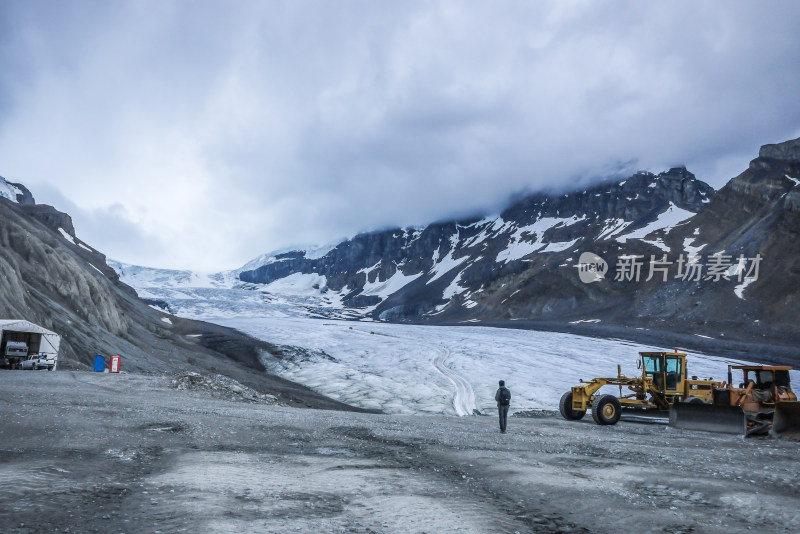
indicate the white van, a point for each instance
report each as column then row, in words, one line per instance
column 16, row 349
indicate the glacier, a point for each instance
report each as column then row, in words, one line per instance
column 418, row 369
column 397, row 368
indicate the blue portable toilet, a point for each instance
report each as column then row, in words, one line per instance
column 99, row 363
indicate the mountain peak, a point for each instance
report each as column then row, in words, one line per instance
column 787, row 151
column 16, row 192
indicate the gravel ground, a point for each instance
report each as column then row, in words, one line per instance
column 86, row 452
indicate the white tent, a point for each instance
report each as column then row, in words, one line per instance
column 49, row 341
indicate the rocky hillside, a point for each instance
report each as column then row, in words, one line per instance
column 52, row 278
column 523, row 265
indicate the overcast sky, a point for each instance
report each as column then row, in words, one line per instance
column 202, row 134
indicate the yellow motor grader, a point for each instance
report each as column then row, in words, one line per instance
column 663, row 383
column 762, row 403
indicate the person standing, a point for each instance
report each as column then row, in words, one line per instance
column 503, row 398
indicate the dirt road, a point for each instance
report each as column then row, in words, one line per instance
column 84, row 452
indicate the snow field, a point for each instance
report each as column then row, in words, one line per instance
column 412, row 369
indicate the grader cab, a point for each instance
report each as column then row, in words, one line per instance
column 664, row 382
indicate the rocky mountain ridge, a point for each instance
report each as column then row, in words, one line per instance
column 443, row 267
column 52, row 278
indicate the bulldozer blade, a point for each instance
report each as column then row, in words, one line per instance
column 709, row 418
column 786, row 420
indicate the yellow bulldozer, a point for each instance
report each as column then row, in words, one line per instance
column 663, row 383
column 762, row 403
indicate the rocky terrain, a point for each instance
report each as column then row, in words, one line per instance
column 221, row 387
column 201, row 438
column 52, row 278
column 128, row 453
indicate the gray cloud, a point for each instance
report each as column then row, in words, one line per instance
column 219, row 132
column 109, row 224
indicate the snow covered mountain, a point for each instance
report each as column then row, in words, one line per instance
column 455, row 269
column 678, row 257
column 430, row 272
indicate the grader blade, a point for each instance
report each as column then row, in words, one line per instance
column 709, row 418
column 786, row 421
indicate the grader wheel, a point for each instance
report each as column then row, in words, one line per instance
column 565, row 407
column 606, row 410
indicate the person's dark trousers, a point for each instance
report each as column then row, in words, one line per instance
column 503, row 411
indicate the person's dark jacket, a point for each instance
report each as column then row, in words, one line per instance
column 499, row 399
